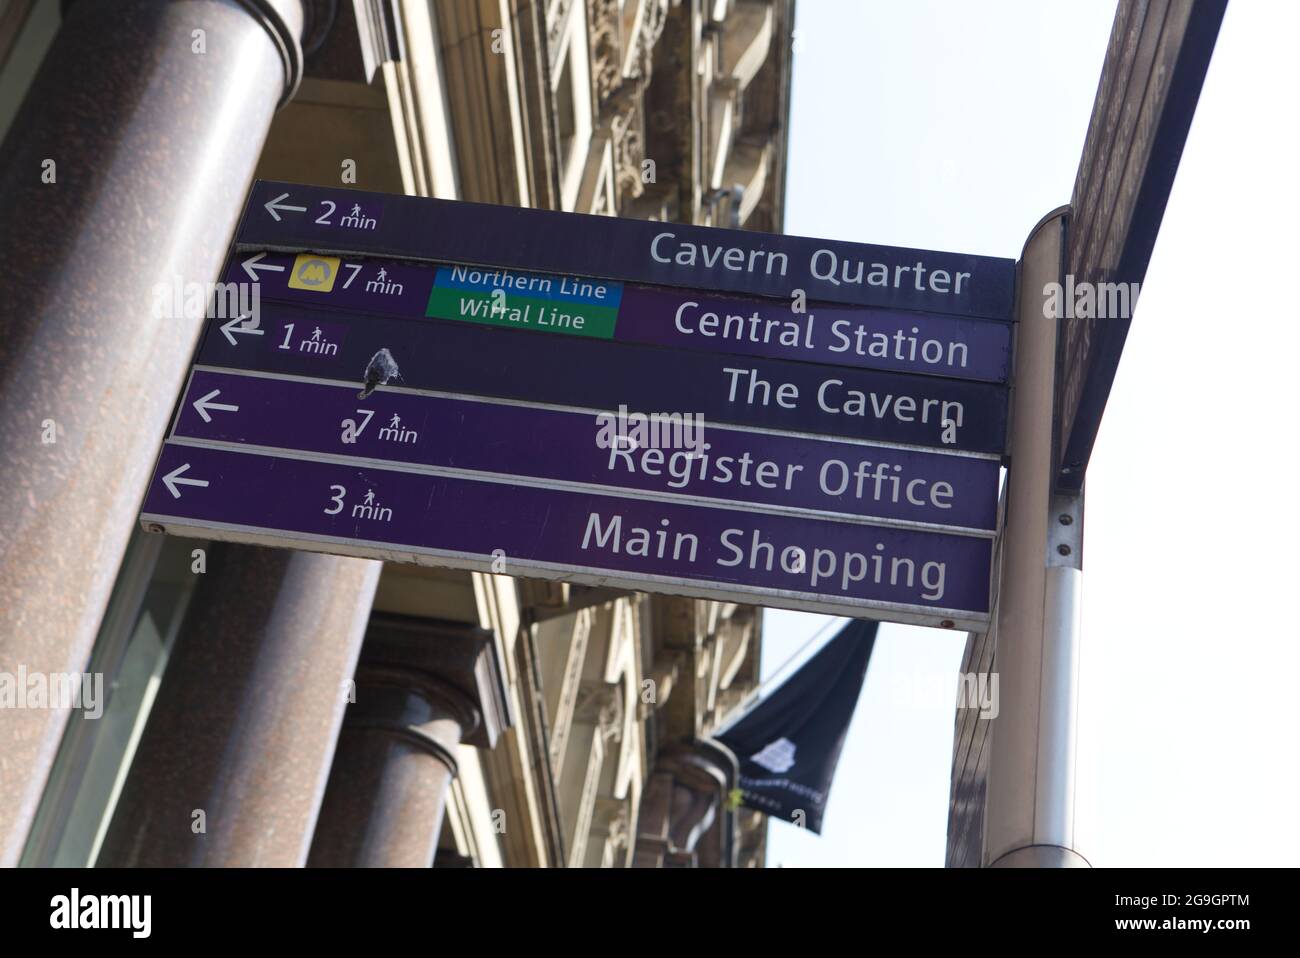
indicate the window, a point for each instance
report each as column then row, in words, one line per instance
column 144, row 614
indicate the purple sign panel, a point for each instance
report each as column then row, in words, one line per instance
column 693, row 549
column 794, row 422
column 832, row 334
column 575, row 371
column 283, row 216
column 679, row 458
column 825, row 333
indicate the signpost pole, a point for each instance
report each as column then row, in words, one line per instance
column 1156, row 63
column 1029, row 810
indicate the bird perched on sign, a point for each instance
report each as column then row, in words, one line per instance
column 380, row 371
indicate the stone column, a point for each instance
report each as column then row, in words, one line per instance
column 422, row 688
column 124, row 171
column 395, row 762
column 232, row 765
column 685, row 820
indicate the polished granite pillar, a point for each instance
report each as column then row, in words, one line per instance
column 242, row 733
column 123, row 174
column 395, row 762
column 421, row 689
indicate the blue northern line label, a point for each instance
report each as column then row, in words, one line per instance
column 568, row 289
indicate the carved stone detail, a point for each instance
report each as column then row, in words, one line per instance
column 605, row 33
column 614, row 817
column 652, row 28
column 621, row 96
column 556, row 28
column 601, row 705
column 628, row 128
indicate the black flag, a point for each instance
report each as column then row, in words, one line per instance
column 789, row 745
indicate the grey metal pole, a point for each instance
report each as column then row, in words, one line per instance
column 1029, row 804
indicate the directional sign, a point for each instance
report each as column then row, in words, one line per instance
column 237, row 326
column 829, row 333
column 573, row 371
column 641, row 251
column 446, row 434
column 173, row 480
column 800, row 423
column 253, row 266
column 277, row 205
column 360, row 509
column 204, row 405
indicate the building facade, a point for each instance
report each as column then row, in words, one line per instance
column 270, row 707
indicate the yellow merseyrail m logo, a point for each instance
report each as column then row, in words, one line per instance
column 314, row 272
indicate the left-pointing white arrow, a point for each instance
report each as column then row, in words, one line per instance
column 275, row 205
column 173, row 479
column 254, row 263
column 233, row 327
column 204, row 403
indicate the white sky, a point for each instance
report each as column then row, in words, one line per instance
column 957, row 126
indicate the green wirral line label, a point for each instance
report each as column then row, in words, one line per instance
column 523, row 312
